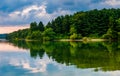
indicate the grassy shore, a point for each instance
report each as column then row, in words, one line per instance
column 74, row 40
column 97, row 40
column 88, row 40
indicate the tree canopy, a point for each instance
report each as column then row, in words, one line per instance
column 95, row 23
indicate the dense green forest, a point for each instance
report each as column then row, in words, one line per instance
column 95, row 23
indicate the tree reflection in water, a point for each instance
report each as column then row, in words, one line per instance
column 103, row 56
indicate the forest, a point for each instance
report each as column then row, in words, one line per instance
column 104, row 23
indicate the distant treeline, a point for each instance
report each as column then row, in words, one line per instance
column 95, row 23
column 3, row 36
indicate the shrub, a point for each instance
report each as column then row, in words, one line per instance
column 86, row 39
column 74, row 36
column 48, row 34
column 107, row 36
column 46, row 38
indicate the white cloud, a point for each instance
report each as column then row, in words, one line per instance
column 32, row 13
column 14, row 13
column 113, row 2
column 45, row 17
column 26, row 12
column 35, row 8
column 47, row 10
column 105, row 4
column 22, row 60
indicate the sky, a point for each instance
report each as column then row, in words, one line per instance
column 22, row 12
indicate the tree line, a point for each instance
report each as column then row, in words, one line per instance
column 95, row 23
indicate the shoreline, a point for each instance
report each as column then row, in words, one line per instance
column 70, row 40
column 88, row 40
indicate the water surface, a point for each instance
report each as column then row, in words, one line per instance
column 22, row 58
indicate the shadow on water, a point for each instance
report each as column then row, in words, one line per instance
column 103, row 56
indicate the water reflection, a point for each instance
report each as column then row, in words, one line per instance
column 59, row 58
column 14, row 59
column 100, row 55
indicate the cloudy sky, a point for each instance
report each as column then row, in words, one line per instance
column 21, row 12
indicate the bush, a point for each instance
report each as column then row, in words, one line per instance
column 94, row 35
column 107, row 36
column 86, row 39
column 118, row 35
column 46, row 38
column 48, row 34
column 37, row 35
column 74, row 36
column 79, row 36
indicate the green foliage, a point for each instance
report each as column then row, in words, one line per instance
column 94, row 35
column 33, row 26
column 111, row 34
column 86, row 39
column 94, row 24
column 47, row 38
column 41, row 26
column 21, row 34
column 107, row 36
column 48, row 34
column 119, row 36
column 118, row 25
column 36, row 35
column 73, row 36
column 61, row 25
column 73, row 29
column 61, row 36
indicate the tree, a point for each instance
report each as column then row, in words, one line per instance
column 111, row 22
column 112, row 28
column 48, row 34
column 35, row 35
column 40, row 26
column 49, row 25
column 66, row 22
column 33, row 26
column 74, row 36
column 93, row 23
column 72, row 29
column 118, row 25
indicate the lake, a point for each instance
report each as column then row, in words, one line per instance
column 20, row 58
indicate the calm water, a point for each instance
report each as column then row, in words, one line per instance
column 59, row 59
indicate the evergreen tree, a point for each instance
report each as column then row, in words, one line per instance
column 41, row 26
column 33, row 26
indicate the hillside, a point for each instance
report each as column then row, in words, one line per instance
column 103, row 23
